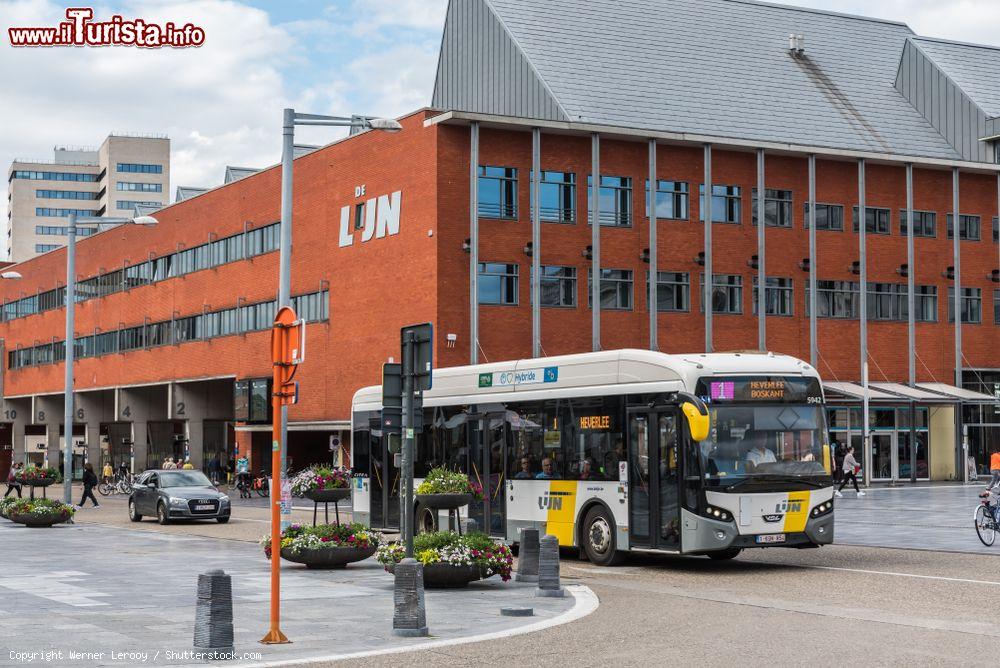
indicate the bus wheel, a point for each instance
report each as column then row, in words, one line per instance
column 599, row 541
column 423, row 519
column 724, row 555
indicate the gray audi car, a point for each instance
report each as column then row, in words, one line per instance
column 177, row 494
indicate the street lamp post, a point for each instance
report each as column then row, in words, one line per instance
column 75, row 220
column 289, row 120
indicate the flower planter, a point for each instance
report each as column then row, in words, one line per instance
column 328, row 557
column 444, row 501
column 35, row 482
column 448, row 576
column 328, row 495
column 40, row 519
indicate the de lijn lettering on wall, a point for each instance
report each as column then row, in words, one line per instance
column 375, row 218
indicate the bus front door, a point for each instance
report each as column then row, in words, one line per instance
column 654, row 480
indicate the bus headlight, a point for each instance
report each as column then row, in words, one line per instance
column 718, row 514
column 824, row 508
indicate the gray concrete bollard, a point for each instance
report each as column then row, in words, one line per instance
column 409, row 618
column 213, row 620
column 469, row 525
column 548, row 568
column 527, row 556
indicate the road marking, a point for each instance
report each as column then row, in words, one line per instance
column 630, row 570
column 585, row 602
column 893, row 573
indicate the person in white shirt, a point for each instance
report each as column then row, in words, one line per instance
column 850, row 472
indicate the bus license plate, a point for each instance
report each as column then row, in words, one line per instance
column 771, row 538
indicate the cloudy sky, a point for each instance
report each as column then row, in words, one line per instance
column 221, row 103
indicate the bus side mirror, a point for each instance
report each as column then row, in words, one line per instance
column 698, row 423
column 827, row 459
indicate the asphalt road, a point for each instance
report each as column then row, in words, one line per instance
column 836, row 605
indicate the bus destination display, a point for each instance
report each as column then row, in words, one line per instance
column 763, row 389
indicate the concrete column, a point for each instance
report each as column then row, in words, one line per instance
column 93, row 408
column 47, row 411
column 18, row 413
column 139, row 405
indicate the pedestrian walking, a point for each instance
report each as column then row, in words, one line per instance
column 214, row 469
column 108, row 473
column 850, row 469
column 89, row 483
column 12, row 484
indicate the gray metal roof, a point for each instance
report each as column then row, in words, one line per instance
column 974, row 68
column 718, row 68
column 237, row 173
column 186, row 192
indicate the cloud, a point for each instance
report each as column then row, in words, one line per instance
column 373, row 15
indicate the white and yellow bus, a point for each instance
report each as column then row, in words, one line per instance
column 620, row 450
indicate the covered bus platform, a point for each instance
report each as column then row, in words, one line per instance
column 915, row 433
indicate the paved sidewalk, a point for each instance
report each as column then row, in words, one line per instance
column 923, row 516
column 90, row 588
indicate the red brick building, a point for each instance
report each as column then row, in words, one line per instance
column 172, row 320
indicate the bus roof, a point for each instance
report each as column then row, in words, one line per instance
column 623, row 371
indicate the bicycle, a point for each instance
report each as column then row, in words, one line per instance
column 261, row 485
column 987, row 517
column 122, row 484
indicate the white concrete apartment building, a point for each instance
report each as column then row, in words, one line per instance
column 126, row 171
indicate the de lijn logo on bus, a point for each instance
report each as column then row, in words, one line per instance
column 549, row 374
column 551, row 500
column 788, row 507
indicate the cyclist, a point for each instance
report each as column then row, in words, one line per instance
column 994, row 469
column 243, row 476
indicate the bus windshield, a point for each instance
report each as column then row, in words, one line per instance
column 759, row 443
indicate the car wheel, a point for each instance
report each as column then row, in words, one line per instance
column 221, row 520
column 161, row 514
column 725, row 555
column 600, row 542
column 132, row 514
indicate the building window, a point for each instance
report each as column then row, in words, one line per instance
column 66, row 194
column 129, row 205
column 777, row 207
column 497, row 192
column 828, row 217
column 45, row 248
column 726, row 202
column 127, row 186
column 498, row 283
column 673, row 291
column 558, row 192
column 968, row 227
column 54, row 176
column 972, row 305
column 727, row 293
column 996, row 307
column 63, row 213
column 616, row 200
column 996, row 229
column 671, row 199
column 778, row 294
column 924, row 223
column 835, row 299
column 61, row 230
column 925, row 303
column 616, row 289
column 877, row 220
column 558, row 287
column 137, row 168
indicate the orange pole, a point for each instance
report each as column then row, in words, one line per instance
column 279, row 338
